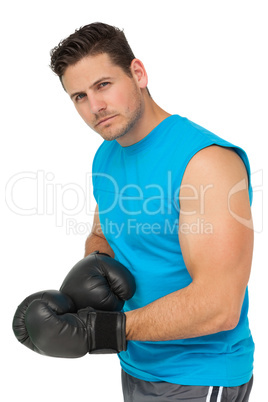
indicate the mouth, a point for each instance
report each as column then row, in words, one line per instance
column 105, row 120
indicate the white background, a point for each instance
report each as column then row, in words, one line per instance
column 206, row 60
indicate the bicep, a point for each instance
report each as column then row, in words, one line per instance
column 215, row 226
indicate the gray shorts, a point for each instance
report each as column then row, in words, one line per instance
column 135, row 390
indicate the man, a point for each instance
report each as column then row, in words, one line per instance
column 173, row 206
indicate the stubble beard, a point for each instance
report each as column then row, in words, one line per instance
column 130, row 123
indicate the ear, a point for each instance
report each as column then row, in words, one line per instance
column 139, row 73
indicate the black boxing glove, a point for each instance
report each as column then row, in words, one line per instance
column 100, row 282
column 54, row 301
column 74, row 335
column 97, row 281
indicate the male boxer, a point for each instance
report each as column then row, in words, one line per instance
column 178, row 200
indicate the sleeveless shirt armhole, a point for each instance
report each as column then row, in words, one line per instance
column 240, row 152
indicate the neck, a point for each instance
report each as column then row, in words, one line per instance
column 151, row 117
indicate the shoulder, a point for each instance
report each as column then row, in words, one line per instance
column 103, row 153
column 215, row 164
column 105, row 145
column 215, row 182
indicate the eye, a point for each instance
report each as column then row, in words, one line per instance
column 103, row 84
column 79, row 97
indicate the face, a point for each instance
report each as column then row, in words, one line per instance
column 108, row 100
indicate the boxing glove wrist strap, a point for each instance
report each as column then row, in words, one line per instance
column 106, row 331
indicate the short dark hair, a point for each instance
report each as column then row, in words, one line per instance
column 92, row 39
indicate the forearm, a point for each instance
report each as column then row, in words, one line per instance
column 95, row 242
column 187, row 313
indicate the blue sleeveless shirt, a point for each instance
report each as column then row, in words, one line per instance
column 137, row 191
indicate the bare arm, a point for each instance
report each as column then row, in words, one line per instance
column 219, row 261
column 96, row 239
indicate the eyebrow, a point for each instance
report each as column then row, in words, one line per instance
column 94, row 84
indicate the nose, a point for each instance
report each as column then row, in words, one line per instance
column 96, row 104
